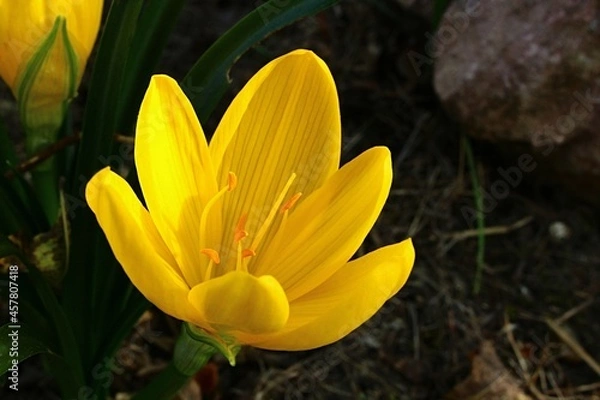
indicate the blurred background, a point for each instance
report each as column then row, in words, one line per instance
column 491, row 110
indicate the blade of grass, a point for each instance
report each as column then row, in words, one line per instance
column 480, row 219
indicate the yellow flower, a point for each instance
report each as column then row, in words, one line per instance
column 250, row 236
column 44, row 46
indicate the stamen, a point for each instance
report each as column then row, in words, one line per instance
column 271, row 216
column 214, row 258
column 240, row 229
column 291, row 202
column 231, row 181
column 248, row 253
column 212, row 254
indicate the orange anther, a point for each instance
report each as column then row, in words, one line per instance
column 240, row 229
column 248, row 253
column 231, row 181
column 290, row 203
column 212, row 254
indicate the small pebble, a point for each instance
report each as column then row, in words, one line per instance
column 559, row 231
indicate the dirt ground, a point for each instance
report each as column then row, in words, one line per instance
column 531, row 332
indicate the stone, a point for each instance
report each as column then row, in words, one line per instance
column 526, row 73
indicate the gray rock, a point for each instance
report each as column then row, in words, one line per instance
column 526, row 72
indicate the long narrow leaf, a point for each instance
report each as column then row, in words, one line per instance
column 107, row 77
column 99, row 124
column 156, row 22
column 14, row 216
column 208, row 79
column 8, row 162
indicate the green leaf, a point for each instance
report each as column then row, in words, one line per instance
column 62, row 326
column 31, row 308
column 100, row 116
column 7, row 148
column 14, row 215
column 7, row 248
column 18, row 343
column 157, row 19
column 68, row 344
column 208, row 79
column 31, row 203
column 156, row 22
column 8, row 162
column 99, row 125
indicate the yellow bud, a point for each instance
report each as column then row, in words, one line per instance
column 44, row 46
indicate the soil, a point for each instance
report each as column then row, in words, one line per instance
column 535, row 319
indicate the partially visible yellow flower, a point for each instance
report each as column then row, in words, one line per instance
column 250, row 237
column 44, row 46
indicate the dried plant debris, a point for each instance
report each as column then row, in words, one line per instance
column 489, row 379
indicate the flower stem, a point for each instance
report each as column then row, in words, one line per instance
column 164, row 386
column 193, row 349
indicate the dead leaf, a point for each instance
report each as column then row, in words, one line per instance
column 489, row 379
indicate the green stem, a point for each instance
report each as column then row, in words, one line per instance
column 164, row 386
column 45, row 183
column 193, row 349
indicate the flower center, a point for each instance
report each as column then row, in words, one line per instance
column 240, row 233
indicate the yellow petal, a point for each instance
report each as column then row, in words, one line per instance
column 175, row 171
column 83, row 24
column 238, row 301
column 344, row 302
column 286, row 120
column 326, row 230
column 136, row 243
